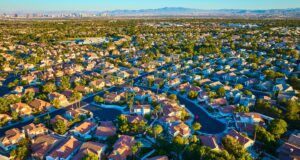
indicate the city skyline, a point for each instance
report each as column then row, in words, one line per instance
column 101, row 5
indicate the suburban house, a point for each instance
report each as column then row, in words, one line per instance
column 142, row 94
column 105, row 130
column 251, row 117
column 65, row 151
column 180, row 129
column 43, row 144
column 140, row 109
column 90, row 147
column 5, row 118
column 122, row 148
column 216, row 103
column 112, row 98
column 135, row 118
column 83, row 89
column 22, row 109
column 247, row 101
column 62, row 98
column 68, row 93
column 123, row 74
column 171, row 108
column 99, row 84
column 167, row 121
column 31, row 89
column 290, row 150
column 72, row 113
column 203, row 96
column 58, row 117
column 226, row 110
column 84, row 129
column 209, row 141
column 39, row 105
column 32, row 130
column 245, row 141
column 18, row 90
column 11, row 138
column 173, row 82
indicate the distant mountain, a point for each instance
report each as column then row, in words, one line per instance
column 173, row 11
column 167, row 11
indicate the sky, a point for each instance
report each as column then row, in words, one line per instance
column 104, row 5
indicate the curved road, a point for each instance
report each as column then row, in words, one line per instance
column 209, row 124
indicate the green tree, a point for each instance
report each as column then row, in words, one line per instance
column 36, row 120
column 56, row 103
column 98, row 99
column 173, row 97
column 47, row 119
column 65, row 83
column 248, row 93
column 4, row 105
column 239, row 86
column 265, row 137
column 14, row 115
column 90, row 156
column 157, row 129
column 123, row 124
column 277, row 127
column 76, row 96
column 49, row 87
column 221, row 91
column 235, row 148
column 20, row 153
column 136, row 147
column 194, row 139
column 265, row 108
column 178, row 144
column 28, row 97
column 292, row 112
column 196, row 126
column 242, row 109
column 60, row 127
column 192, row 94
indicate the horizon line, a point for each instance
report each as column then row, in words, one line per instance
column 211, row 9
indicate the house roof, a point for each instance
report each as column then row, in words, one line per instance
column 41, row 145
column 209, row 141
column 38, row 103
column 58, row 117
column 182, row 128
column 158, row 158
column 35, row 128
column 240, row 137
column 85, row 127
column 122, row 147
column 289, row 151
column 106, row 131
column 89, row 147
column 294, row 139
column 135, row 118
column 219, row 102
column 66, row 148
column 12, row 136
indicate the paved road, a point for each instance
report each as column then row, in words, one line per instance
column 3, row 89
column 210, row 125
column 52, row 114
column 83, row 102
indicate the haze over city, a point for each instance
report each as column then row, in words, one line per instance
column 149, row 80
column 104, row 5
